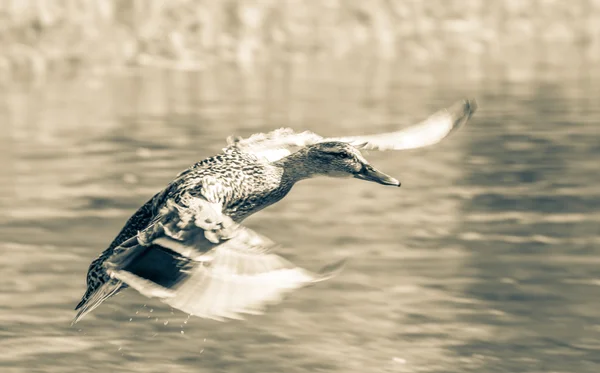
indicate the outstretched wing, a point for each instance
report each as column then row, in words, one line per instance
column 429, row 132
column 282, row 142
column 201, row 262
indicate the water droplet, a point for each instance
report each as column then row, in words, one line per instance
column 201, row 351
column 120, row 348
column 131, row 319
column 151, row 309
column 166, row 322
column 182, row 332
column 204, row 339
column 156, row 319
column 136, row 312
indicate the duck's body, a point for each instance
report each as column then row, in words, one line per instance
column 241, row 183
column 194, row 224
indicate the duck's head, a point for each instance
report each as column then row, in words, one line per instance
column 339, row 159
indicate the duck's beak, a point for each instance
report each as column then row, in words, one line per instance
column 371, row 174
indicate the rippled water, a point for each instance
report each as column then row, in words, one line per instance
column 486, row 260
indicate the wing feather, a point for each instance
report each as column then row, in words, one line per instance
column 238, row 274
column 282, row 142
column 429, row 132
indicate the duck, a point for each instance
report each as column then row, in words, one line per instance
column 187, row 245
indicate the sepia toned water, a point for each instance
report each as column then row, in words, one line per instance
column 486, row 260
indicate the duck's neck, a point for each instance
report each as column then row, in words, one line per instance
column 296, row 167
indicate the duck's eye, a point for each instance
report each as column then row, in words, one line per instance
column 344, row 155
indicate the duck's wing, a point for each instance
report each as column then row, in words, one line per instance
column 276, row 144
column 282, row 142
column 199, row 261
column 428, row 132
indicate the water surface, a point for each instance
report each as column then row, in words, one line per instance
column 486, row 260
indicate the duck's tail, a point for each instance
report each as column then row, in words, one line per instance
column 88, row 304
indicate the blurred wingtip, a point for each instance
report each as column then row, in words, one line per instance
column 463, row 108
column 331, row 270
column 461, row 112
column 471, row 105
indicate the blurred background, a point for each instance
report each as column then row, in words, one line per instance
column 486, row 260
